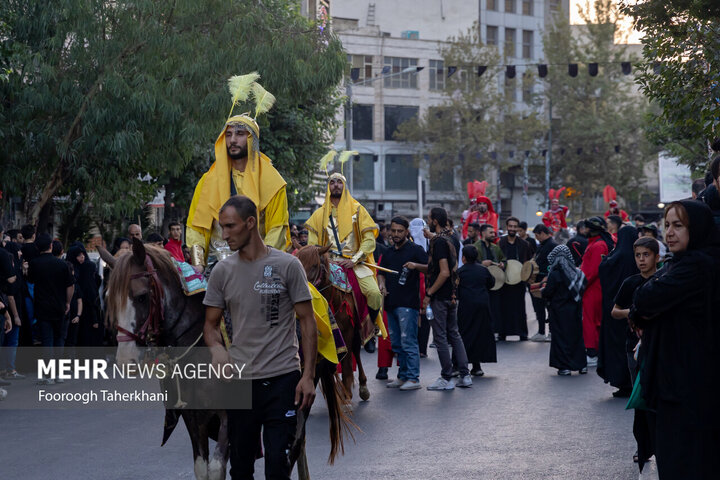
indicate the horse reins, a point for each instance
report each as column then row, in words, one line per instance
column 150, row 330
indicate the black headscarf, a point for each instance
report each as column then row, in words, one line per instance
column 619, row 264
column 85, row 273
column 599, row 226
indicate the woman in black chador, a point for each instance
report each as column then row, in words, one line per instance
column 615, row 334
column 678, row 311
column 563, row 292
column 474, row 320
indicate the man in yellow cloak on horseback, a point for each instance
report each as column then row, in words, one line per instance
column 239, row 169
column 346, row 225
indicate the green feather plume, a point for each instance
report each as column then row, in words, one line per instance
column 264, row 100
column 327, row 159
column 240, row 87
column 345, row 156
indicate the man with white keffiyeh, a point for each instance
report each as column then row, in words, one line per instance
column 563, row 292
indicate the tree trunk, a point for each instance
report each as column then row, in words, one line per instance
column 45, row 219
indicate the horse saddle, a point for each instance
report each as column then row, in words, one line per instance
column 192, row 282
column 339, row 279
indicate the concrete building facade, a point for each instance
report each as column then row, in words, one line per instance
column 391, row 37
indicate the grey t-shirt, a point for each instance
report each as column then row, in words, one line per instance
column 260, row 297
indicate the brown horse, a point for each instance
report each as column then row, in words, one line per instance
column 147, row 305
column 317, row 268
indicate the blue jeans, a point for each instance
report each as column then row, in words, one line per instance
column 403, row 324
column 9, row 344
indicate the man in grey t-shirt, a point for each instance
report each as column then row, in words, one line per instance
column 263, row 289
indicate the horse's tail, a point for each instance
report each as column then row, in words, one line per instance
column 340, row 424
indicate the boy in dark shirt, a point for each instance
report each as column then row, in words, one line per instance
column 646, row 258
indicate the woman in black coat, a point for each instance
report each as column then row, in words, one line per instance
column 474, row 320
column 678, row 311
column 615, row 334
column 91, row 329
column 563, row 292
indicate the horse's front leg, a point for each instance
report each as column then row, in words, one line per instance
column 362, row 379
column 198, row 439
column 218, row 463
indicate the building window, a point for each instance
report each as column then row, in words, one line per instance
column 510, row 42
column 437, row 75
column 509, row 6
column 492, row 35
column 362, row 122
column 364, row 172
column 509, row 89
column 395, row 116
column 397, row 65
column 527, row 7
column 400, row 172
column 527, row 88
column 527, row 47
column 364, row 65
column 492, row 5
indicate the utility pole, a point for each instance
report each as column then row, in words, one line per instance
column 548, row 157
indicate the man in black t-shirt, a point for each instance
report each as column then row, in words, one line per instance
column 402, row 302
column 54, row 287
column 440, row 296
column 543, row 234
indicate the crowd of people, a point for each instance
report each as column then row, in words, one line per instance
column 615, row 294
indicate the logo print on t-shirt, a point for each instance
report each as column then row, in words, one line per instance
column 268, row 271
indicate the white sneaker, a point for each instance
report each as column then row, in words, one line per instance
column 538, row 337
column 442, row 384
column 397, row 383
column 411, row 385
column 592, row 361
column 3, row 393
column 465, row 382
column 548, row 338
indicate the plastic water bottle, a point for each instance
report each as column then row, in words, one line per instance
column 429, row 313
column 403, row 276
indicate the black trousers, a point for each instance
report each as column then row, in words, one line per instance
column 273, row 412
column 539, row 307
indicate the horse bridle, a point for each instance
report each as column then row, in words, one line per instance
column 150, row 330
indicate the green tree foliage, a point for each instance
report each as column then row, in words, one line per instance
column 478, row 115
column 109, row 101
column 681, row 74
column 593, row 115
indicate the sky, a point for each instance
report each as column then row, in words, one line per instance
column 575, row 19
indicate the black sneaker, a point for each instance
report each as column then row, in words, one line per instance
column 370, row 346
column 477, row 372
column 382, row 373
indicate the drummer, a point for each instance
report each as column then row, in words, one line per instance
column 490, row 254
column 512, row 295
column 543, row 234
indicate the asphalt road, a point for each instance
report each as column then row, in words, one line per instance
column 520, row 421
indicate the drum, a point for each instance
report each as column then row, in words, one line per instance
column 530, row 271
column 498, row 275
column 513, row 272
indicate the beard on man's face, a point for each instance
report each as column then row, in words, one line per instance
column 237, row 156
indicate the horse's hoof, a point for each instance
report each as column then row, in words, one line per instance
column 364, row 392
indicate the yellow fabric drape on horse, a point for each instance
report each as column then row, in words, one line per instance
column 326, row 341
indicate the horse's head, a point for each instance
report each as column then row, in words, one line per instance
column 141, row 286
column 315, row 261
